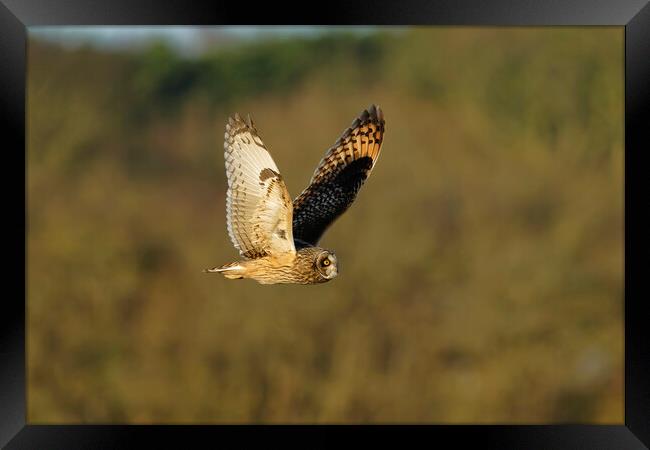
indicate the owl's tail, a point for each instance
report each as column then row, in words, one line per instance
column 232, row 271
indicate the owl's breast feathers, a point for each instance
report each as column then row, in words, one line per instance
column 298, row 267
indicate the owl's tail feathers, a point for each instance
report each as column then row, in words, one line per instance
column 232, row 271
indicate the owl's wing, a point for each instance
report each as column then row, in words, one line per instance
column 338, row 177
column 258, row 205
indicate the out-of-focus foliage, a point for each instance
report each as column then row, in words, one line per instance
column 226, row 77
column 481, row 266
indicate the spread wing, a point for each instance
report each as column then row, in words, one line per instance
column 258, row 205
column 338, row 177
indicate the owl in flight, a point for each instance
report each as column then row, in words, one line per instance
column 278, row 237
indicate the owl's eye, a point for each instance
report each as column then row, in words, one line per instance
column 326, row 262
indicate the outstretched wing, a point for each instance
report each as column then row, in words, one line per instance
column 338, row 177
column 258, row 205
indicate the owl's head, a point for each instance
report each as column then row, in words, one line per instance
column 326, row 265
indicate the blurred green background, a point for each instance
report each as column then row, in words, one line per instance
column 481, row 265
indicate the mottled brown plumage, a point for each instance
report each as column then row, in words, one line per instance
column 278, row 237
column 306, row 266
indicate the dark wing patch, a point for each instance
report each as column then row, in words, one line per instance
column 338, row 178
column 267, row 173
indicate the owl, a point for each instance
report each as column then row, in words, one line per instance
column 277, row 237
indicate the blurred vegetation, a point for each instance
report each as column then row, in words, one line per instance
column 481, row 266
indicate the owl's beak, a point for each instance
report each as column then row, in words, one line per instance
column 335, row 270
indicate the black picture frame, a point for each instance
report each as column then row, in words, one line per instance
column 633, row 15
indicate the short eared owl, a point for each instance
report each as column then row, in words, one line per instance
column 277, row 237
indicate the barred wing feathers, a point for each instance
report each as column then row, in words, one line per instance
column 258, row 205
column 338, row 178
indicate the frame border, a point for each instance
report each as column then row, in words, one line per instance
column 634, row 15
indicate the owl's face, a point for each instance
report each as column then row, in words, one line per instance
column 326, row 265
